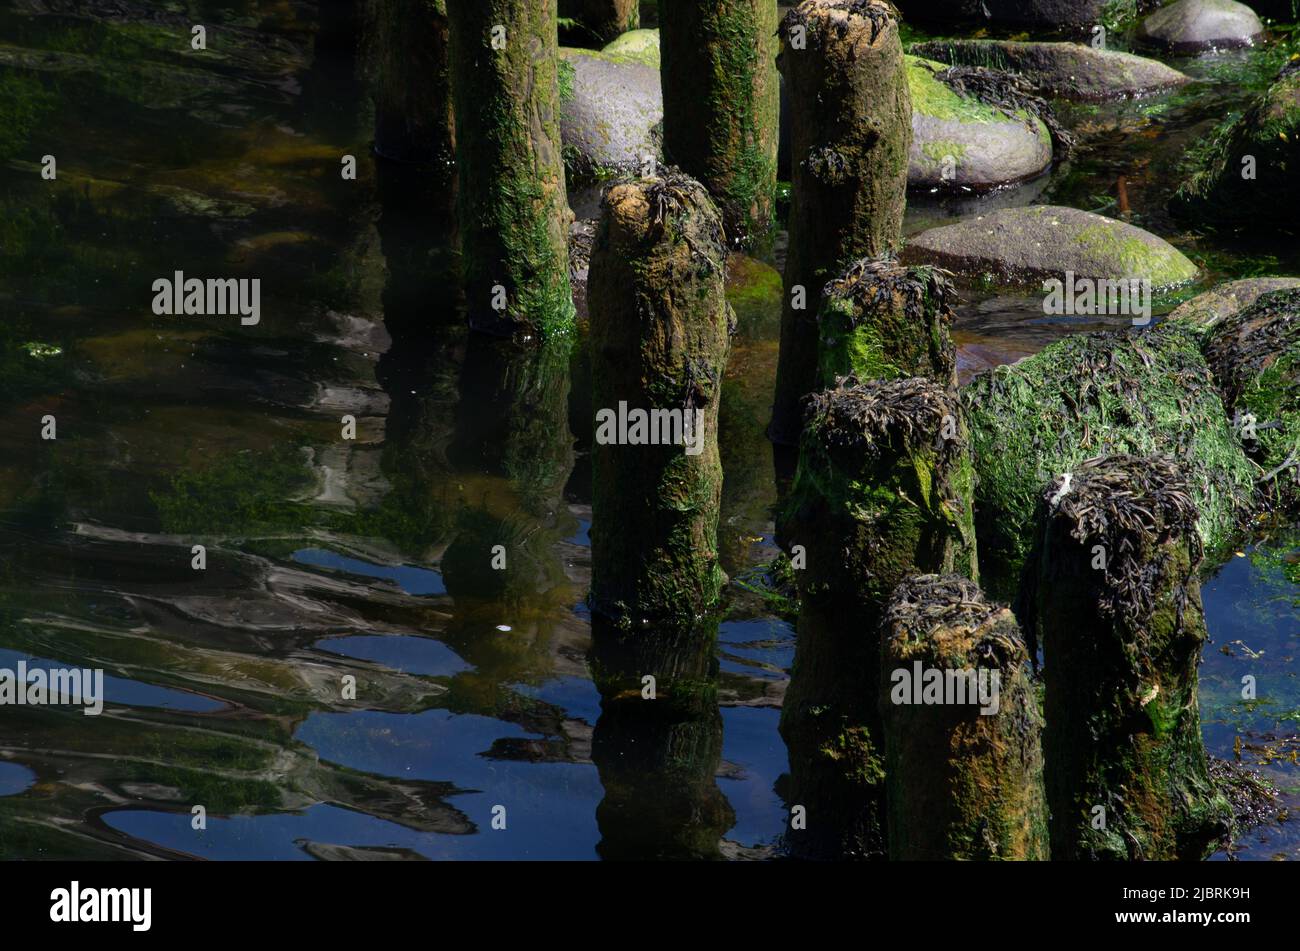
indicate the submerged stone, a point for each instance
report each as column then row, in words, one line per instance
column 1206, row 310
column 1064, row 70
column 611, row 112
column 1193, row 26
column 959, row 140
column 1092, row 394
column 1042, row 242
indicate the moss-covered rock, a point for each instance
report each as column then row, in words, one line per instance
column 1208, row 309
column 1265, row 141
column 1094, row 394
column 1063, row 70
column 961, row 141
column 637, row 46
column 1255, row 357
column 1043, row 242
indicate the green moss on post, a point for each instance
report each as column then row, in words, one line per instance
column 1115, row 601
column 1090, row 394
column 850, row 135
column 660, row 334
column 408, row 52
column 883, row 491
column 1255, row 357
column 883, row 321
column 721, row 99
column 963, row 775
column 513, row 210
column 604, row 19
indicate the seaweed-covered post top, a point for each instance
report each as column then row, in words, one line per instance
column 963, row 732
column 883, row 491
column 881, row 320
column 721, row 104
column 1255, row 357
column 660, row 335
column 1115, row 599
column 850, row 135
column 512, row 205
column 407, row 46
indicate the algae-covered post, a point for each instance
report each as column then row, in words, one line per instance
column 963, row 731
column 851, row 134
column 721, row 97
column 603, row 19
column 513, row 209
column 883, row 491
column 407, row 42
column 1114, row 598
column 660, row 335
column 882, row 321
column 658, row 742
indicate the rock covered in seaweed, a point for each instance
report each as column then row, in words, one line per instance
column 1061, row 70
column 964, row 780
column 1255, row 357
column 1042, row 242
column 974, row 128
column 1245, row 171
column 1113, row 596
column 1194, row 26
column 1130, row 391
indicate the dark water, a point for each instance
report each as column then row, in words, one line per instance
column 334, row 561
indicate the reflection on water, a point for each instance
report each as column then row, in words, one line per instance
column 352, row 674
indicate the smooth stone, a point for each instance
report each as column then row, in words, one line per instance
column 1208, row 309
column 611, row 112
column 1029, row 245
column 1192, row 26
column 1061, row 70
column 977, row 145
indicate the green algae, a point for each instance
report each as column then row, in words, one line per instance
column 1091, row 395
